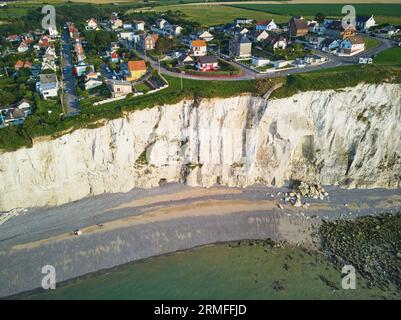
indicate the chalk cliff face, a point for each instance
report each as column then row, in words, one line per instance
column 349, row 137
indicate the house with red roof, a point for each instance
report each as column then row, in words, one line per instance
column 267, row 24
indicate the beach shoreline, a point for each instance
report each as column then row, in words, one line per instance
column 122, row 228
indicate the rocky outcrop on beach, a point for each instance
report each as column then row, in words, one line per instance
column 349, row 138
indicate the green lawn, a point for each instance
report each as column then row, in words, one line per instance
column 389, row 57
column 383, row 13
column 371, row 43
column 220, row 14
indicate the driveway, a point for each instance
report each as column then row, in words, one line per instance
column 71, row 101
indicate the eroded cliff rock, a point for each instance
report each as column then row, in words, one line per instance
column 349, row 137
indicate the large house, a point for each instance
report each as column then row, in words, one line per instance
column 119, row 88
column 241, row 47
column 352, row 45
column 334, row 29
column 137, row 69
column 277, row 42
column 243, row 21
column 298, row 26
column 15, row 114
column 198, row 48
column 329, row 44
column 266, row 24
column 207, row 63
column 79, row 51
column 48, row 85
column 148, row 41
column 365, row 23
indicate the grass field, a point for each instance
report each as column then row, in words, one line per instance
column 389, row 57
column 218, row 14
column 371, row 43
column 383, row 13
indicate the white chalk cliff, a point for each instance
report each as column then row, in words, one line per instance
column 349, row 137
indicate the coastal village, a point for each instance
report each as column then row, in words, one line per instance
column 54, row 64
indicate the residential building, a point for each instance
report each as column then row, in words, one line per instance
column 161, row 23
column 13, row 38
column 127, row 25
column 277, row 42
column 259, row 35
column 81, row 68
column 267, row 24
column 185, row 59
column 198, row 48
column 137, row 69
column 149, row 41
column 243, row 21
column 79, row 51
column 48, row 85
column 73, row 31
column 334, row 29
column 205, row 35
column 91, row 24
column 207, row 63
column 352, row 45
column 364, row 23
column 23, row 47
column 298, row 27
column 93, row 83
column 119, row 88
column 15, row 114
column 19, row 64
column 53, row 33
column 114, row 57
column 329, row 44
column 241, row 47
column 127, row 35
column 116, row 23
column 139, row 25
column 260, row 61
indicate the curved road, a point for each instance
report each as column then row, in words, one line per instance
column 248, row 74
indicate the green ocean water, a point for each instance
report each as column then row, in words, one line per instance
column 245, row 270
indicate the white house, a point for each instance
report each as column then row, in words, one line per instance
column 161, row 23
column 365, row 23
column 139, row 25
column 23, row 47
column 266, row 24
column 259, row 35
column 176, row 30
column 53, row 33
column 93, row 83
column 243, row 21
column 206, row 35
column 352, row 45
column 127, row 35
column 198, row 48
column 91, row 24
column 48, row 85
column 260, row 61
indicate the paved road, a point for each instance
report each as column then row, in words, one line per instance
column 247, row 74
column 71, row 102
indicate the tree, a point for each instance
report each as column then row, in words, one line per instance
column 319, row 17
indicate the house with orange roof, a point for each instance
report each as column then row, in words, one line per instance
column 19, row 64
column 198, row 48
column 137, row 69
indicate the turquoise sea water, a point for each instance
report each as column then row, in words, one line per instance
column 223, row 271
